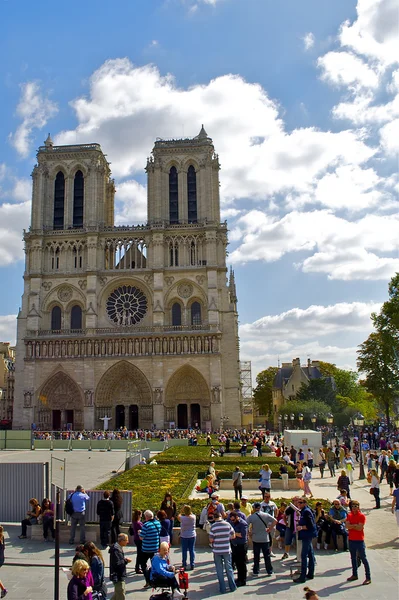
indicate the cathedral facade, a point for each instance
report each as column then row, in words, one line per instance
column 137, row 324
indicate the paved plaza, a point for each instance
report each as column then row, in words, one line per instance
column 37, row 582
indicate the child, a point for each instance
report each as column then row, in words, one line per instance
column 310, row 594
column 3, row 592
column 281, row 524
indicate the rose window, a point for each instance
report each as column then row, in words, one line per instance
column 126, row 305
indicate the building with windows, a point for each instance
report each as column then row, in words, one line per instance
column 138, row 324
column 7, row 383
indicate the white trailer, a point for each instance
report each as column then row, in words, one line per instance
column 304, row 438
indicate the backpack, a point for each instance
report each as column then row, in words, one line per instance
column 69, row 506
column 211, row 510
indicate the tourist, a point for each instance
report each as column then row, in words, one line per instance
column 261, row 525
column 245, row 506
column 149, row 534
column 349, row 465
column 307, row 530
column 96, row 562
column 134, row 530
column 105, row 510
column 163, row 573
column 47, row 515
column 265, row 479
column 239, row 547
column 77, row 588
column 117, row 567
column 337, row 517
column 390, row 474
column 117, row 501
column 322, row 524
column 343, row 483
column 187, row 535
column 32, row 517
column 237, row 482
column 78, row 517
column 165, row 527
column 309, row 458
column 307, row 477
column 330, row 456
column 254, row 452
column 3, row 590
column 220, row 535
column 281, row 524
column 322, row 462
column 355, row 523
column 395, row 504
column 375, row 487
column 291, row 515
column 169, row 506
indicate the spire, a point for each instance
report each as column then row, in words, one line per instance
column 49, row 142
column 232, row 286
column 202, row 134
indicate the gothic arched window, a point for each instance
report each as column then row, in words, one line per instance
column 78, row 194
column 196, row 313
column 176, row 314
column 173, row 196
column 56, row 319
column 192, row 194
column 59, row 201
column 76, row 317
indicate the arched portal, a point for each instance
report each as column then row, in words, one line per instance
column 60, row 404
column 187, row 399
column 120, row 388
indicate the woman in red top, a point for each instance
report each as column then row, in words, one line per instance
column 355, row 522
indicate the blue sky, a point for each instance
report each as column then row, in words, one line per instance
column 302, row 102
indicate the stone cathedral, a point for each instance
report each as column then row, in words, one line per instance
column 137, row 324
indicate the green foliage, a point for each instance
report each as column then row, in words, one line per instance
column 307, row 408
column 199, row 454
column 317, row 390
column 263, row 391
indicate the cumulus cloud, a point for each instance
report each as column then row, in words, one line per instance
column 8, row 328
column 35, row 109
column 308, row 40
column 13, row 218
column 296, row 332
column 131, row 198
column 346, row 69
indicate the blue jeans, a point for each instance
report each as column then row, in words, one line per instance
column 220, row 560
column 358, row 547
column 307, row 558
column 187, row 545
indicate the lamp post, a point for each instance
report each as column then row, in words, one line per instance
column 280, row 426
column 313, row 418
column 330, row 421
column 300, row 417
column 292, row 418
column 358, row 420
column 397, row 421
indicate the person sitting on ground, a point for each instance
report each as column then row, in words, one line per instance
column 32, row 516
column 163, row 573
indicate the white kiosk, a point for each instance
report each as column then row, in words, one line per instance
column 304, row 438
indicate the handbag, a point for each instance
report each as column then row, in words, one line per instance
column 371, row 491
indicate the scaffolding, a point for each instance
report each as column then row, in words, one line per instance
column 247, row 406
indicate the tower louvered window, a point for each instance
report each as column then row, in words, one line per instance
column 173, row 196
column 59, row 201
column 192, row 194
column 78, row 199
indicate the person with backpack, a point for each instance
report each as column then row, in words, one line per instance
column 307, row 530
column 78, row 516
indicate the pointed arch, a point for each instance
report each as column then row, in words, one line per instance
column 173, row 195
column 78, row 199
column 59, row 201
column 191, row 194
column 60, row 401
column 187, row 384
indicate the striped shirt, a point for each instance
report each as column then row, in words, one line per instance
column 220, row 535
column 150, row 533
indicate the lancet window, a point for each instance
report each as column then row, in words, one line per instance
column 59, row 201
column 76, row 317
column 78, row 200
column 192, row 194
column 196, row 313
column 56, row 318
column 176, row 314
column 173, row 196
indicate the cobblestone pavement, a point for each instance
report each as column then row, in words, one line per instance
column 37, row 583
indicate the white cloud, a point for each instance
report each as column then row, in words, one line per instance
column 8, row 328
column 308, row 40
column 346, row 69
column 35, row 110
column 390, row 137
column 296, row 332
column 13, row 218
column 133, row 208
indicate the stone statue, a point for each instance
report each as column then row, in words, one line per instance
column 106, row 420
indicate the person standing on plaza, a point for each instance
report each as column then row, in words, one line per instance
column 169, row 506
column 261, row 525
column 349, row 465
column 77, row 587
column 150, row 536
column 188, row 535
column 375, row 487
column 309, row 458
column 105, row 511
column 117, row 567
column 245, row 506
column 239, row 547
column 307, row 530
column 343, row 483
column 96, row 561
column 355, row 525
column 395, row 504
column 331, row 461
column 117, row 501
column 322, row 462
column 78, row 517
column 237, row 482
column 134, row 530
column 265, row 476
column 220, row 535
column 3, row 592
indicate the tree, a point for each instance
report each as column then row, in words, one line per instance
column 317, row 390
column 263, row 391
column 307, row 409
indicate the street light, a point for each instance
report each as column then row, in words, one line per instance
column 292, row 417
column 358, row 420
column 300, row 417
column 313, row 419
column 397, row 421
column 330, row 421
column 280, row 419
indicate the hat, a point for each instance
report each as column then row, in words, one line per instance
column 215, row 495
column 256, row 505
column 244, row 497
